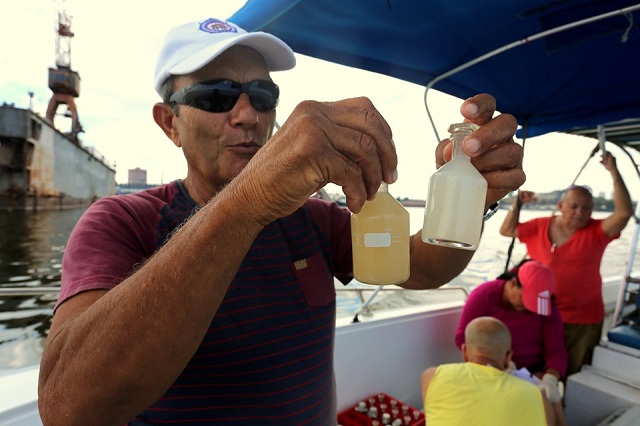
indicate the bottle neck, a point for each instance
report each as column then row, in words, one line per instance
column 458, row 152
column 459, row 132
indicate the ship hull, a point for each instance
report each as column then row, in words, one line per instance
column 44, row 169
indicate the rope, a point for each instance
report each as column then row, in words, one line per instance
column 593, row 152
column 513, row 240
column 525, row 133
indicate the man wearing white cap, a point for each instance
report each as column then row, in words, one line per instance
column 210, row 300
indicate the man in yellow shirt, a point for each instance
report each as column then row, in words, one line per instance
column 480, row 391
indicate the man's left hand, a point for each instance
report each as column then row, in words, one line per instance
column 549, row 385
column 492, row 148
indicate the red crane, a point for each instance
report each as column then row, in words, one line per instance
column 63, row 81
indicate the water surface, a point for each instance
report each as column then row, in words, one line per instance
column 31, row 248
column 32, row 245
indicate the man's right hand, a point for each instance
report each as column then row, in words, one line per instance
column 347, row 143
column 549, row 385
column 527, row 197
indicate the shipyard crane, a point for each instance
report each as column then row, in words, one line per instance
column 63, row 81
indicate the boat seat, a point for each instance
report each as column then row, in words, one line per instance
column 625, row 334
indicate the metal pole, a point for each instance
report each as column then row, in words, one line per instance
column 365, row 305
column 622, row 295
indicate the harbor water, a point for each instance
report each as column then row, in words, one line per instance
column 32, row 245
column 31, row 248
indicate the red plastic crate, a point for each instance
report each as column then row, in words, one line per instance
column 373, row 412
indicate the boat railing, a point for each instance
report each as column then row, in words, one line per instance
column 28, row 291
column 364, row 308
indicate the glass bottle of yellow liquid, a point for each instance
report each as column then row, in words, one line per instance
column 380, row 240
column 456, row 198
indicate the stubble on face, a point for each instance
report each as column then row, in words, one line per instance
column 218, row 146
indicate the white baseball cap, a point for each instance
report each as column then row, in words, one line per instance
column 189, row 47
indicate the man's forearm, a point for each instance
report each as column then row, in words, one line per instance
column 433, row 266
column 112, row 359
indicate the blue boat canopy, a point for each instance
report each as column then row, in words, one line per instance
column 571, row 80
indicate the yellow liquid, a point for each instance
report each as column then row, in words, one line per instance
column 380, row 241
column 455, row 206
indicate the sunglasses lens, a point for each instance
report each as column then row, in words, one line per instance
column 221, row 96
column 213, row 99
column 263, row 95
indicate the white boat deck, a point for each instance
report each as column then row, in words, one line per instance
column 606, row 392
column 19, row 397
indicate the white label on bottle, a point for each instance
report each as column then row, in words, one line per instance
column 377, row 239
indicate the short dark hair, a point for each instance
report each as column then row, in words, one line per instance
column 513, row 273
column 166, row 89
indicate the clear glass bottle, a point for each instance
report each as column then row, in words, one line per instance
column 380, row 240
column 456, row 198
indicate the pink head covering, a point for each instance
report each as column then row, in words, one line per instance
column 538, row 284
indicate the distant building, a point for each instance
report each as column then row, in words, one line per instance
column 137, row 176
column 137, row 182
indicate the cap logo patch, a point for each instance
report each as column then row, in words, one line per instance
column 543, row 302
column 215, row 26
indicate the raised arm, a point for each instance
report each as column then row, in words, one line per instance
column 495, row 154
column 622, row 208
column 509, row 227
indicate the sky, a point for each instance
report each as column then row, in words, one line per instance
column 114, row 51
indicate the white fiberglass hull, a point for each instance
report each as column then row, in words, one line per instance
column 387, row 352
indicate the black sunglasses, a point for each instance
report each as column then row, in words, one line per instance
column 222, row 95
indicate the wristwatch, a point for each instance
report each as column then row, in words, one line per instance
column 493, row 209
